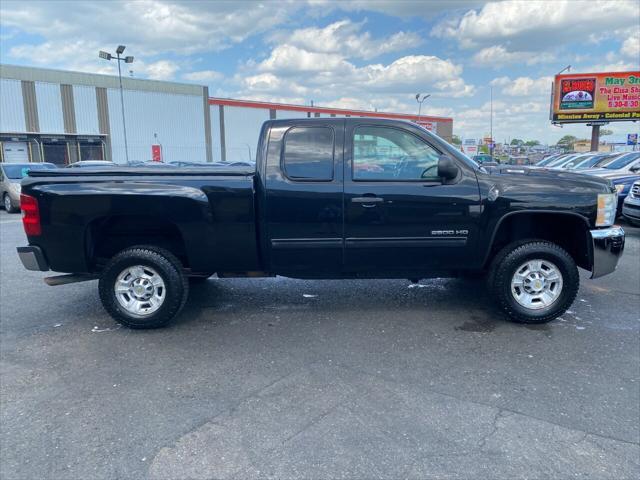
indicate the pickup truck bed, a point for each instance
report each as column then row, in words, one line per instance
column 211, row 210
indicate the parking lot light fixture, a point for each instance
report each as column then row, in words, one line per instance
column 107, row 56
column 420, row 100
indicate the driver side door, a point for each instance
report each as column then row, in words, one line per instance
column 400, row 217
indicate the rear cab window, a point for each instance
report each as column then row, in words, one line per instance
column 308, row 154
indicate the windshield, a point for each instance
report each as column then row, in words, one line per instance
column 547, row 160
column 560, row 160
column 622, row 161
column 16, row 171
column 590, row 162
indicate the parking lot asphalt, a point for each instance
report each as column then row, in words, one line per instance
column 318, row 379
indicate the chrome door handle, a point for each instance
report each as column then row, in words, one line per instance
column 367, row 202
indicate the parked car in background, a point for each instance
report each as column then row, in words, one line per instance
column 520, row 160
column 561, row 160
column 627, row 162
column 548, row 160
column 631, row 205
column 590, row 161
column 484, row 158
column 622, row 182
column 92, row 163
column 10, row 176
column 569, row 163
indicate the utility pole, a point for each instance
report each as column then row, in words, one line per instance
column 491, row 120
column 108, row 56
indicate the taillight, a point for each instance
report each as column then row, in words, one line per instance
column 30, row 215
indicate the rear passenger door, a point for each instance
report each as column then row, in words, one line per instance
column 304, row 215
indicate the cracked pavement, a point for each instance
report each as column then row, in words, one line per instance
column 280, row 378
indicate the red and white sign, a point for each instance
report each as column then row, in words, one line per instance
column 431, row 126
column 156, row 153
column 470, row 149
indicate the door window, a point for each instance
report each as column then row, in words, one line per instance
column 391, row 154
column 308, row 154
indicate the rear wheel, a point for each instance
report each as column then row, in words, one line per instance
column 143, row 287
column 8, row 204
column 534, row 282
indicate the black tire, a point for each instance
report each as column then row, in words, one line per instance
column 8, row 204
column 168, row 268
column 513, row 256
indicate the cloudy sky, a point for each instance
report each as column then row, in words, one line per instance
column 363, row 54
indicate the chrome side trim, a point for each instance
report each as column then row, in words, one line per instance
column 608, row 245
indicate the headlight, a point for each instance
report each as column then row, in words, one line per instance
column 607, row 206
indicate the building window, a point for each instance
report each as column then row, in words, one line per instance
column 308, row 154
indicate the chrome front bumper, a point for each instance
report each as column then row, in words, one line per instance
column 607, row 248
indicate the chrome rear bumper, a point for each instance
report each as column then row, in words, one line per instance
column 32, row 258
column 607, row 248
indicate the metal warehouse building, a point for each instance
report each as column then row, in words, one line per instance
column 62, row 117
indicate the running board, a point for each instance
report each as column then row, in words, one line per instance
column 69, row 278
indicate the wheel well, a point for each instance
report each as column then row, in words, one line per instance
column 109, row 235
column 570, row 232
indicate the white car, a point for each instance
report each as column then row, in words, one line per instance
column 628, row 162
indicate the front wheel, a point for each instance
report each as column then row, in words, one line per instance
column 534, row 282
column 143, row 287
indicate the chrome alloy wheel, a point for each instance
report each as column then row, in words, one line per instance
column 7, row 202
column 140, row 290
column 536, row 284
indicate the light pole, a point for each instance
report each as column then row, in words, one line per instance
column 420, row 100
column 108, row 56
column 491, row 122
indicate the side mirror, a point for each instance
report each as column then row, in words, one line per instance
column 447, row 168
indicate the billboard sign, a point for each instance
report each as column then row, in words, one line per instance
column 593, row 97
column 632, row 138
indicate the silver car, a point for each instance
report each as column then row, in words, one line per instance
column 10, row 176
column 631, row 205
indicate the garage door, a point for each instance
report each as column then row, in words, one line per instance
column 15, row 152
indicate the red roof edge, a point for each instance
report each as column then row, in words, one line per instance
column 230, row 102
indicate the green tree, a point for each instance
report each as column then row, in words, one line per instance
column 455, row 140
column 566, row 141
column 516, row 141
column 531, row 143
column 605, row 132
column 484, row 149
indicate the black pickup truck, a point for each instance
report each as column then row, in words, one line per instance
column 328, row 198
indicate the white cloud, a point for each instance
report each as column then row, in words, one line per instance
column 203, row 76
column 160, row 70
column 345, row 37
column 537, row 23
column 148, row 27
column 523, row 86
column 498, row 56
column 631, row 47
column 397, row 8
column 290, row 67
column 288, row 58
